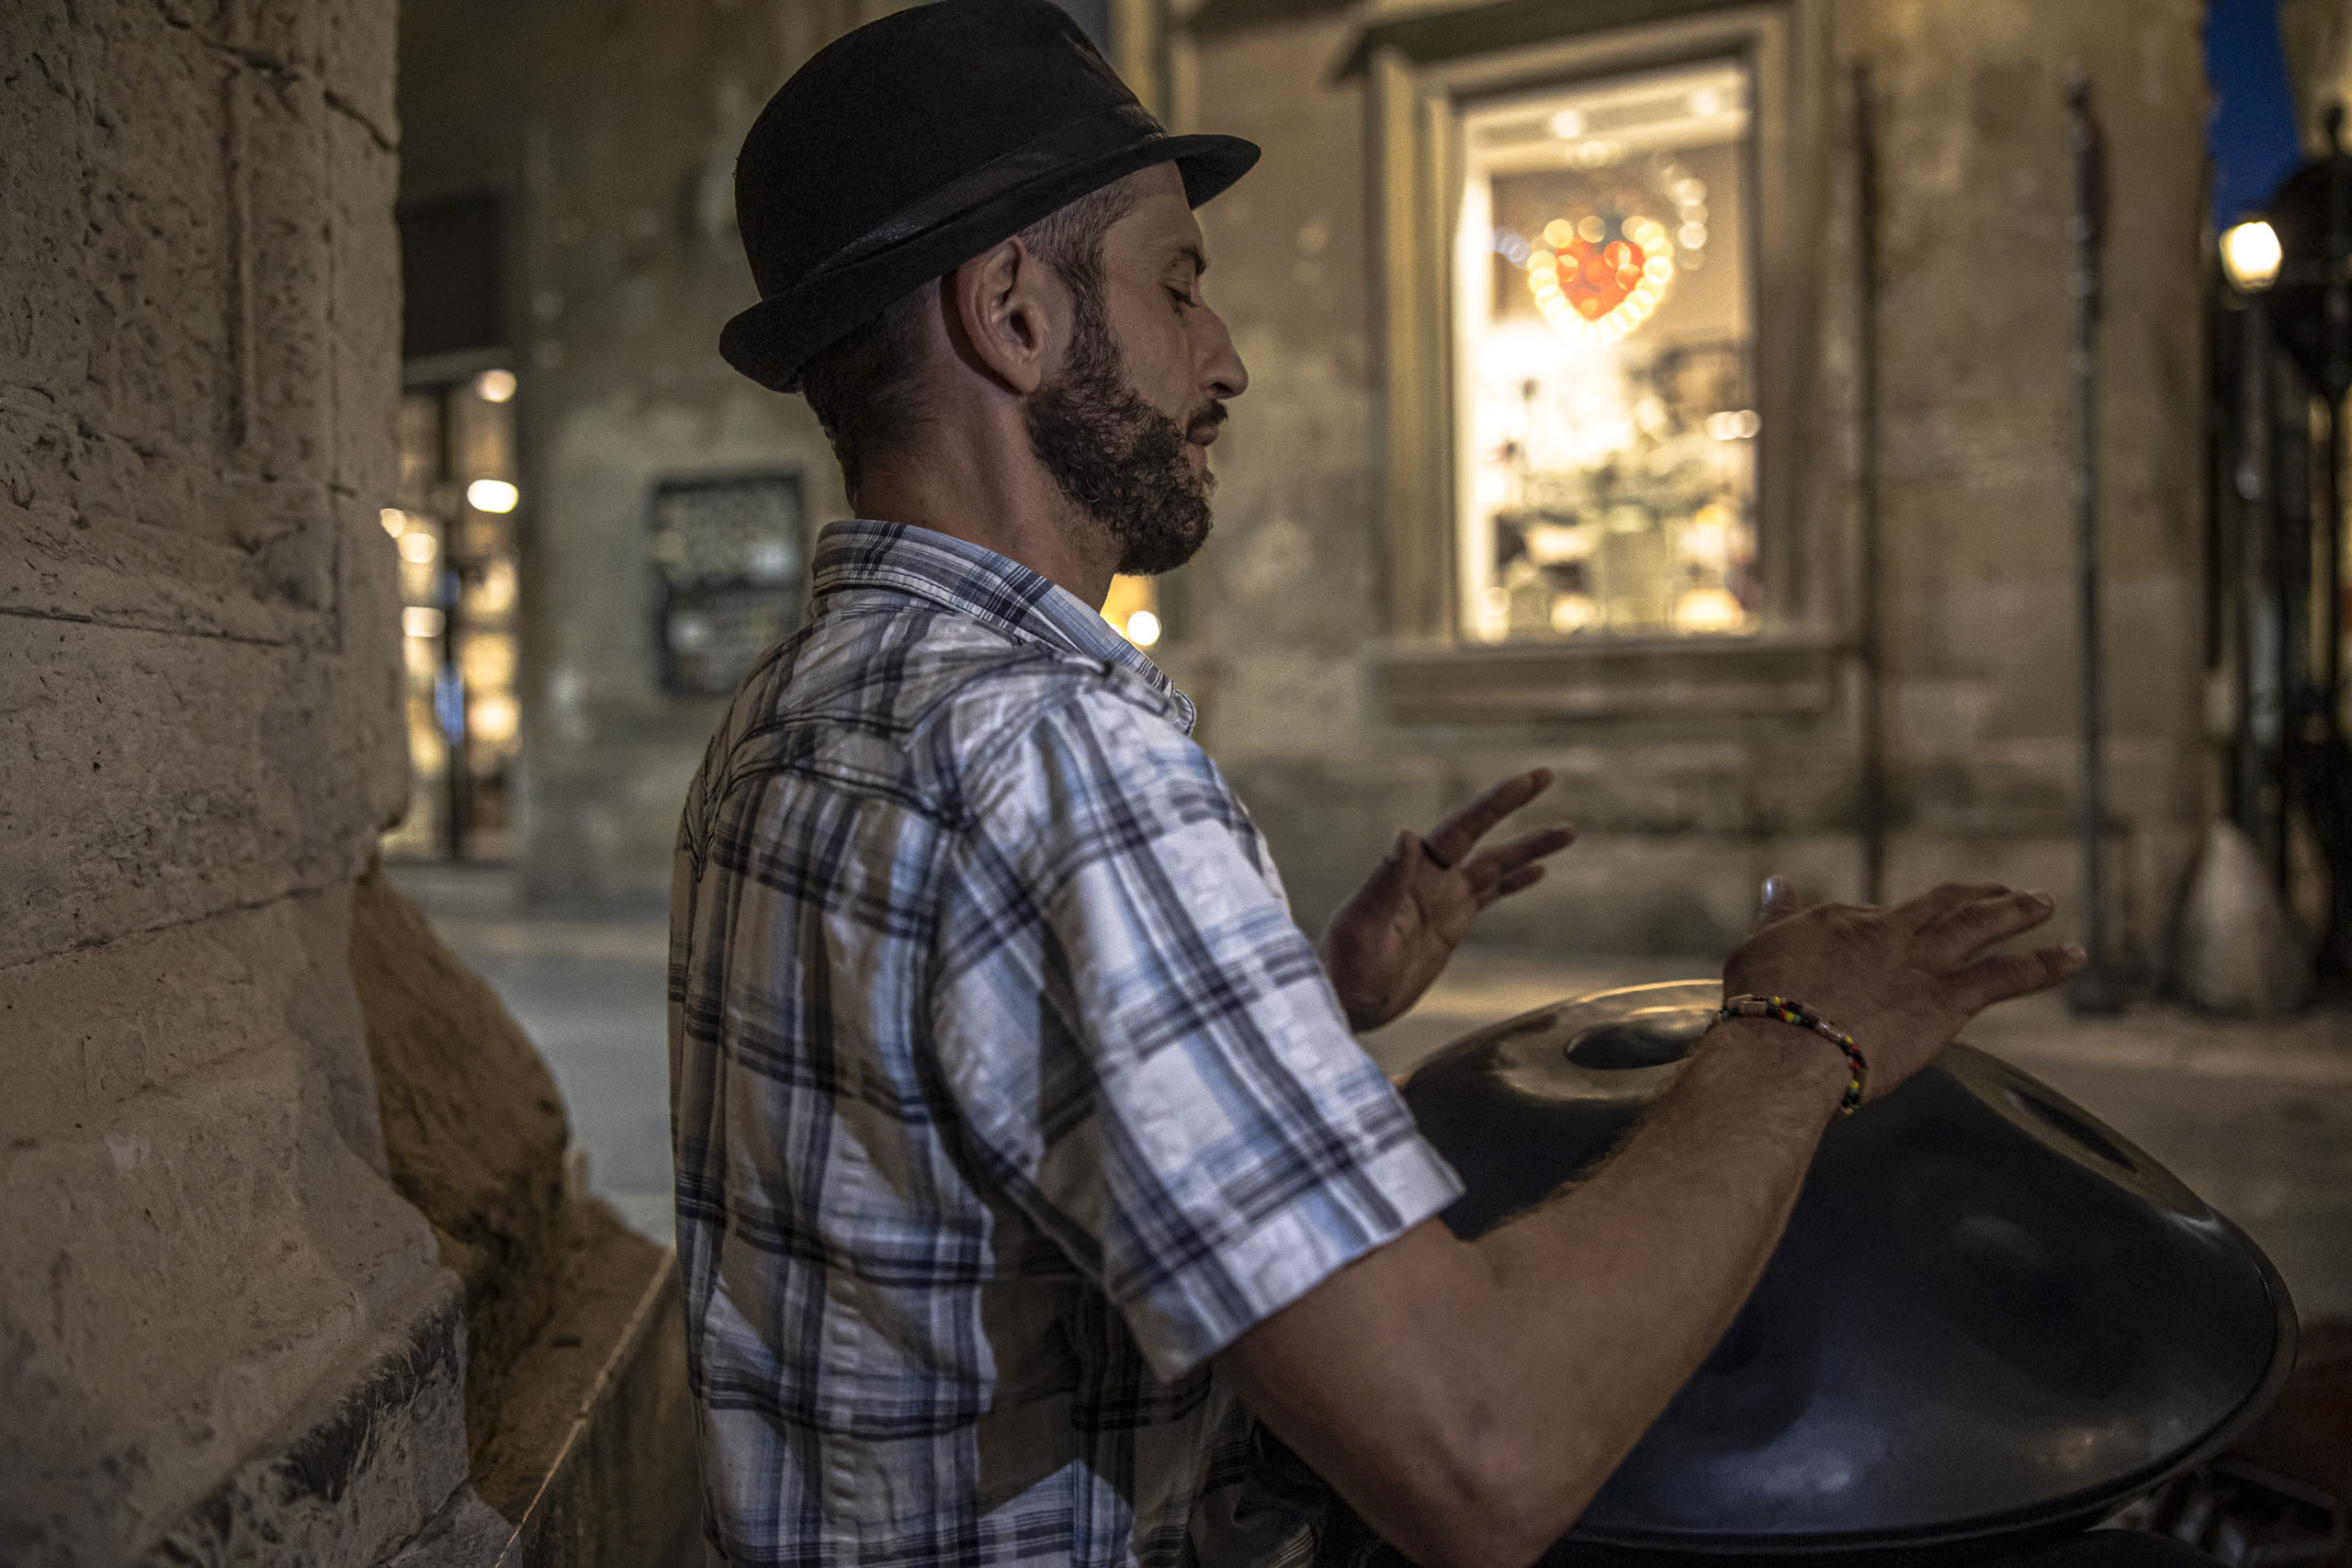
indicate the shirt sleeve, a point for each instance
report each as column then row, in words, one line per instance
column 1145, row 1047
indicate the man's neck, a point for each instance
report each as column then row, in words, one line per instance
column 1002, row 500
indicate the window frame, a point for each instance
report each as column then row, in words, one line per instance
column 1416, row 79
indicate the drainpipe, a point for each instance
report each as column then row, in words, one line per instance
column 2094, row 988
column 1870, row 718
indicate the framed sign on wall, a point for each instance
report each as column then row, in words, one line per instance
column 731, row 578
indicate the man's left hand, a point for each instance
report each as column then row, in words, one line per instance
column 1386, row 943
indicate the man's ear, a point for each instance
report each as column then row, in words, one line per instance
column 1005, row 302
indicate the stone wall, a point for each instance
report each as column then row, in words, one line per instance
column 612, row 148
column 227, row 1337
column 230, row 1177
column 2317, row 35
column 1276, row 628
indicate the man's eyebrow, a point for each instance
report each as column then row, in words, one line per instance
column 1193, row 253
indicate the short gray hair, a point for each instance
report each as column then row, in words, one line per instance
column 867, row 387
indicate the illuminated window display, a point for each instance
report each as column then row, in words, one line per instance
column 1602, row 349
column 455, row 531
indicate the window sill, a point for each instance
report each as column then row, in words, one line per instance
column 1767, row 675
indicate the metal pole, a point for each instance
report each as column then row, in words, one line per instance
column 2339, row 372
column 2094, row 989
column 2261, row 712
column 449, row 686
column 2327, row 778
column 1870, row 739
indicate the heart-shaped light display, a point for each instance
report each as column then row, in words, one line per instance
column 1599, row 278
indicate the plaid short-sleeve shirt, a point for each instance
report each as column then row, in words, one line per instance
column 1004, row 1091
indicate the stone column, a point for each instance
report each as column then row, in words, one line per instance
column 223, row 1336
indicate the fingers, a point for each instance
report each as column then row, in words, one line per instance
column 2006, row 975
column 1919, row 914
column 1460, row 834
column 1491, row 865
column 1780, row 901
column 1998, row 913
column 1526, row 876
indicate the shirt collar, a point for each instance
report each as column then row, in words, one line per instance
column 974, row 580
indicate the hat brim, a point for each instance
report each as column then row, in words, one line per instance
column 774, row 338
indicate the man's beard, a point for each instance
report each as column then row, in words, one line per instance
column 1120, row 461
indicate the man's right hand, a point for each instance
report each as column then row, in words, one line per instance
column 1904, row 980
column 1468, row 1398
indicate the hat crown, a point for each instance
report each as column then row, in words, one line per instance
column 900, row 109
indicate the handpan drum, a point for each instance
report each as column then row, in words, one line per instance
column 1991, row 1319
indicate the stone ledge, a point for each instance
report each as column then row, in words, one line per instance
column 594, row 1456
column 590, row 1461
column 1785, row 675
column 330, row 1492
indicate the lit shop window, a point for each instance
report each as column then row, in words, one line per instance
column 1604, row 402
column 454, row 532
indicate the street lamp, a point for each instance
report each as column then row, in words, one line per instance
column 2251, row 254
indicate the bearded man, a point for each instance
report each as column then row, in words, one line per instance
column 1024, row 1146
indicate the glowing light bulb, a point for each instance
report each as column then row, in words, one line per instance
column 494, row 385
column 2251, row 254
column 1143, row 628
column 492, row 495
column 493, row 720
column 1707, row 610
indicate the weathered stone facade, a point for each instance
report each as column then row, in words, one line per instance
column 229, row 1333
column 1338, row 722
column 1282, row 626
column 612, row 148
column 228, row 1336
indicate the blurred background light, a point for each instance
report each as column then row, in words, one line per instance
column 491, row 495
column 2251, row 254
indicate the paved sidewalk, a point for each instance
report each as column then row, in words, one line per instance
column 2256, row 1117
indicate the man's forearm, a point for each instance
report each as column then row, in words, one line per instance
column 1470, row 1398
column 1608, row 1297
column 1518, row 1370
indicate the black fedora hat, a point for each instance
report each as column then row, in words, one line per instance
column 904, row 149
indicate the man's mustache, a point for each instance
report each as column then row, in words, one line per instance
column 1205, row 419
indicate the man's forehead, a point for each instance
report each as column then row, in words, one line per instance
column 1160, row 227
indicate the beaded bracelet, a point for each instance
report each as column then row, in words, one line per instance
column 1804, row 1017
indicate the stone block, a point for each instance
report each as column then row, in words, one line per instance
column 198, row 774
column 151, row 281
column 198, row 1237
column 363, row 256
column 375, row 1455
column 286, row 296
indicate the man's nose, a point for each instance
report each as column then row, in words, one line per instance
column 1222, row 374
